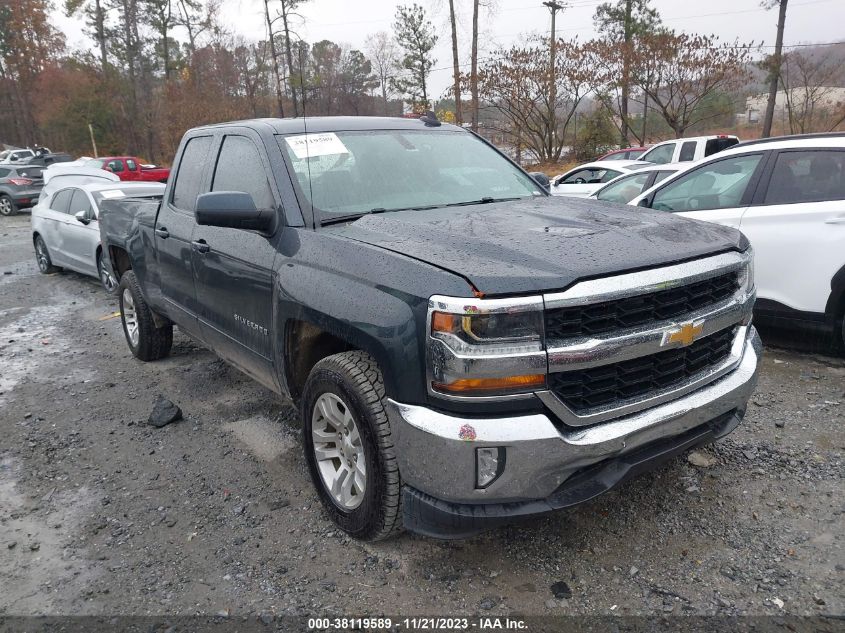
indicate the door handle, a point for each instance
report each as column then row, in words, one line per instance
column 839, row 220
column 200, row 246
column 162, row 233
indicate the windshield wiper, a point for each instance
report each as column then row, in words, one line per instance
column 484, row 200
column 356, row 216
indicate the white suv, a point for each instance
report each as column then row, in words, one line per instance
column 787, row 195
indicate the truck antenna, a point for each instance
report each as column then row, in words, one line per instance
column 305, row 127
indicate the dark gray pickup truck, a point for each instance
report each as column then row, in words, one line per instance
column 465, row 349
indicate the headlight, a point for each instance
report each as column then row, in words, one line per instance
column 485, row 347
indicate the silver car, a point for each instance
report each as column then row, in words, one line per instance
column 65, row 227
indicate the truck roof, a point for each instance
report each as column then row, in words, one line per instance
column 333, row 124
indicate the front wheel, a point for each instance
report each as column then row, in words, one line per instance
column 146, row 341
column 107, row 280
column 349, row 447
column 7, row 206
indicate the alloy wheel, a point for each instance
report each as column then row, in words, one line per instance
column 339, row 451
column 130, row 317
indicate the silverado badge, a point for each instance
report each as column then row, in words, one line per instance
column 685, row 334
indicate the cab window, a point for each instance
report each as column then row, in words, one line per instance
column 660, row 155
column 717, row 185
column 625, row 189
column 809, row 176
column 687, row 152
column 131, row 165
column 188, row 181
column 589, row 176
column 239, row 168
column 115, row 165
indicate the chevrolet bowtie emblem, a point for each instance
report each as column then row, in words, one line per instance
column 685, row 335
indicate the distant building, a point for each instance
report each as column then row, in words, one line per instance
column 824, row 98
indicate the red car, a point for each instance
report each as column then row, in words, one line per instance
column 628, row 153
column 130, row 168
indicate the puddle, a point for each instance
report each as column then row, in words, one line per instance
column 36, row 556
column 266, row 439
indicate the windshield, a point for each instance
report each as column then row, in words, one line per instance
column 353, row 173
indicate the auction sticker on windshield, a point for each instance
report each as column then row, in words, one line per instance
column 323, row 144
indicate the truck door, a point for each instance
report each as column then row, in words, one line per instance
column 173, row 229
column 133, row 171
column 233, row 267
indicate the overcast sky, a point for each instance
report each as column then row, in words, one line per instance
column 350, row 21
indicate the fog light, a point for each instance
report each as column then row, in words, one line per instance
column 489, row 464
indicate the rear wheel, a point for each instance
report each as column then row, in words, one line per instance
column 7, row 206
column 42, row 255
column 146, row 341
column 106, row 278
column 349, row 446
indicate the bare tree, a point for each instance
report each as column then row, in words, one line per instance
column 813, row 103
column 456, row 66
column 274, row 56
column 680, row 72
column 383, row 52
column 773, row 64
column 514, row 88
column 473, row 73
column 95, row 13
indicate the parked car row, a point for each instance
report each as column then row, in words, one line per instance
column 65, row 222
column 22, row 173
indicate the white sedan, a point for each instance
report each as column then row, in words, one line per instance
column 626, row 187
column 65, row 227
column 586, row 179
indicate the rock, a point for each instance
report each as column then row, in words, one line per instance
column 164, row 412
column 722, row 602
column 527, row 587
column 488, row 603
column 777, row 602
column 329, row 585
column 266, row 618
column 278, row 505
column 34, row 546
column 633, row 572
column 750, row 454
column 561, row 590
column 818, row 600
column 12, row 544
column 780, row 424
column 238, row 510
column 702, row 460
column 551, row 603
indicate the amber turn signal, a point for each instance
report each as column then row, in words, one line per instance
column 443, row 322
column 481, row 385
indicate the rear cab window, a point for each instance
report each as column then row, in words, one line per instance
column 687, row 152
column 188, row 181
column 715, row 145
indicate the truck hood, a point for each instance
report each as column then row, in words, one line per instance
column 540, row 244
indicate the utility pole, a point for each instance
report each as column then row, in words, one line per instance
column 626, row 71
column 554, row 6
column 774, row 70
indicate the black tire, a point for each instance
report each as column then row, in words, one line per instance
column 356, row 379
column 150, row 342
column 107, row 281
column 7, row 206
column 42, row 256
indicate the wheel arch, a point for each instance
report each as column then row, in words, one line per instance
column 835, row 307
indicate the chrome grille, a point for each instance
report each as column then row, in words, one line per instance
column 617, row 383
column 612, row 316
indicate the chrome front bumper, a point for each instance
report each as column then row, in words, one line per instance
column 436, row 451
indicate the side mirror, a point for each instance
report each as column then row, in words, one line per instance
column 82, row 217
column 645, row 202
column 541, row 179
column 234, row 210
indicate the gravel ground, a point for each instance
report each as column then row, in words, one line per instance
column 101, row 513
